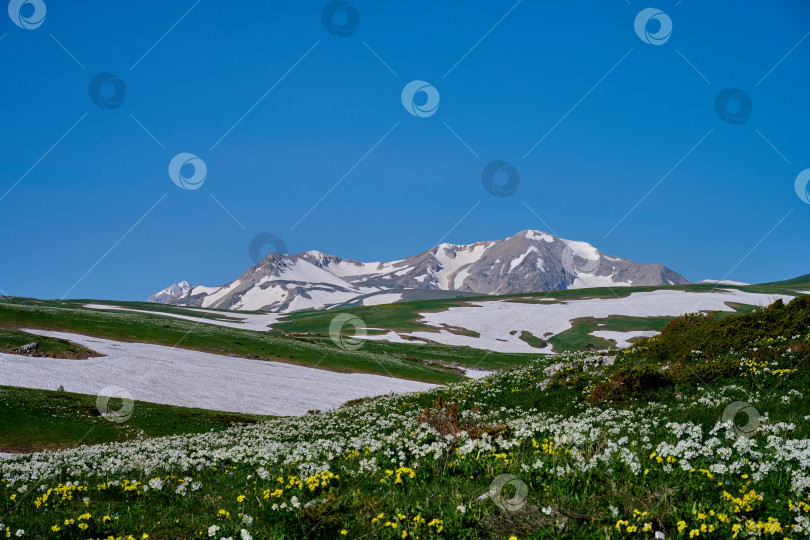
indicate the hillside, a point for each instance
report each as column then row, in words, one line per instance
column 541, row 451
column 554, row 321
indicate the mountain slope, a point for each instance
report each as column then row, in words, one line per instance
column 529, row 261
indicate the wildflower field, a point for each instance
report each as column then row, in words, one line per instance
column 699, row 432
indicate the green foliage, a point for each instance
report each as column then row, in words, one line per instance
column 712, row 336
column 630, row 382
column 690, row 373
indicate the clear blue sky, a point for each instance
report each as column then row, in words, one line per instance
column 76, row 202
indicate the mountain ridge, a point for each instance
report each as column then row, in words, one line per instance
column 529, row 261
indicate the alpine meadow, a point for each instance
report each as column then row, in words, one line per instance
column 462, row 270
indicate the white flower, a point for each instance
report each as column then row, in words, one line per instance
column 245, row 535
column 156, row 483
column 212, row 530
column 461, row 508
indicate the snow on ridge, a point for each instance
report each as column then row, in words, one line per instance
column 539, row 235
column 587, row 281
column 450, row 266
column 212, row 298
column 583, row 249
column 517, row 261
column 306, row 272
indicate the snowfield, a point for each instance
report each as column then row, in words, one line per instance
column 500, row 322
column 380, row 299
column 181, row 377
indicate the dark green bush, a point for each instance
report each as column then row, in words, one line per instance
column 630, row 382
column 690, row 373
column 712, row 336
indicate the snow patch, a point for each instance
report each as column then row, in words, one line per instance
column 723, row 282
column 587, row 281
column 379, row 299
column 582, row 249
column 181, row 377
column 539, row 235
column 519, row 260
column 499, row 322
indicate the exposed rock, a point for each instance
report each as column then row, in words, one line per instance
column 530, row 261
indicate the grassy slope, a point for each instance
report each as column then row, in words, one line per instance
column 419, row 362
column 219, row 315
column 34, row 420
column 48, row 347
column 601, row 502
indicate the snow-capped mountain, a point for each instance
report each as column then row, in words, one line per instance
column 178, row 290
column 529, row 261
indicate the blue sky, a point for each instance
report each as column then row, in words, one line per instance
column 633, row 159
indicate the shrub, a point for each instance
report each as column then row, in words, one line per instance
column 630, row 382
column 690, row 373
column 448, row 419
column 712, row 336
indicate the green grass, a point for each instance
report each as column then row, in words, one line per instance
column 35, row 420
column 10, row 340
column 526, row 408
column 532, row 340
column 578, row 337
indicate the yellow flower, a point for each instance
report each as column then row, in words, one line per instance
column 55, row 528
column 240, row 498
column 344, row 532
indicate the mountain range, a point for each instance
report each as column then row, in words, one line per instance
column 529, row 261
